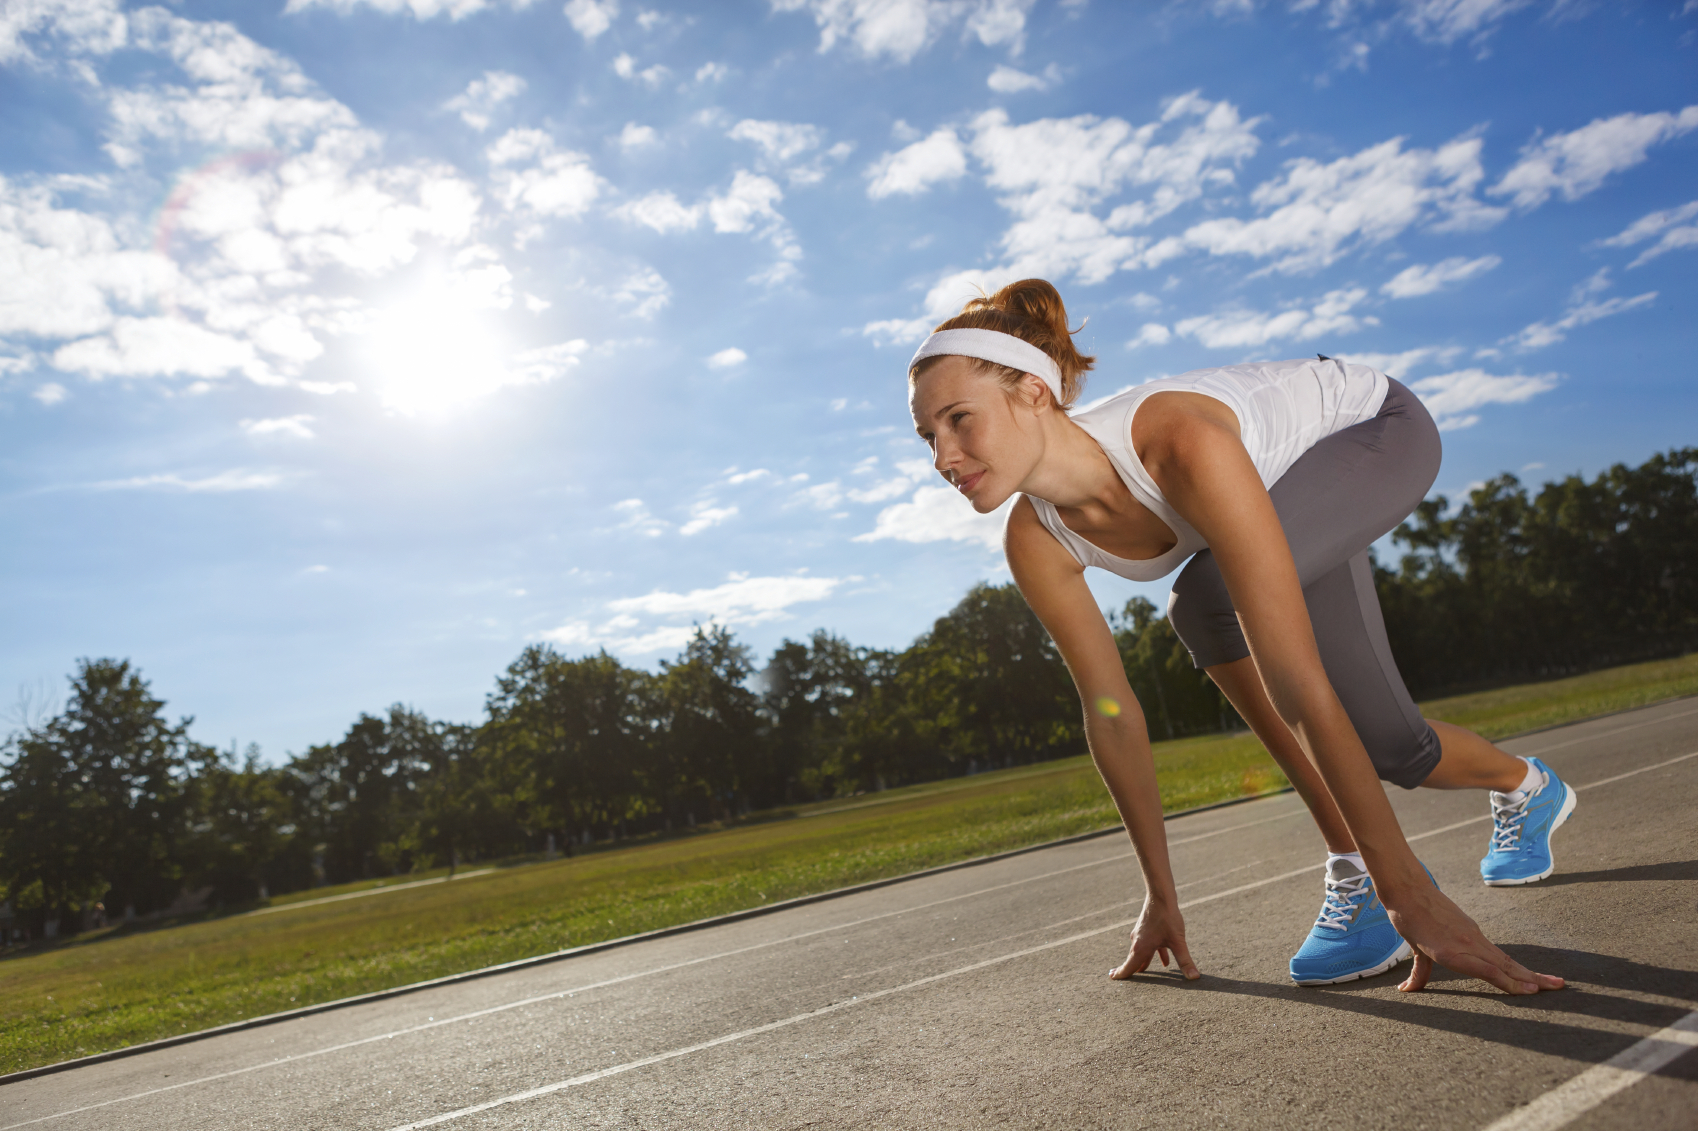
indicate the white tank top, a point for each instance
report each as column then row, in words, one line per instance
column 1283, row 407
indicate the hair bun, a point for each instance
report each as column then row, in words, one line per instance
column 1031, row 310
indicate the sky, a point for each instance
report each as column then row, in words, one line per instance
column 348, row 347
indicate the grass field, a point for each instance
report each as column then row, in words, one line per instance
column 123, row 986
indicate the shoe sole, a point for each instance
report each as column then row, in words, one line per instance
column 1397, row 956
column 1568, row 804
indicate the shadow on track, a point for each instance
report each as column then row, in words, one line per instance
column 1675, row 870
column 1533, row 1023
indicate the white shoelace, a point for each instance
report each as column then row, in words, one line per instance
column 1340, row 904
column 1506, row 820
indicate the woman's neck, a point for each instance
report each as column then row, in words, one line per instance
column 1074, row 472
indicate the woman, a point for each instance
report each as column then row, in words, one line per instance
column 1273, row 480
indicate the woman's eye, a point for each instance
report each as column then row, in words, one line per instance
column 957, row 418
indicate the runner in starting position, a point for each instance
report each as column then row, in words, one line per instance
column 1273, row 479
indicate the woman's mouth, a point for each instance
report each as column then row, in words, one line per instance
column 965, row 486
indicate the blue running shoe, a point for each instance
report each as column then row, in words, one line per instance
column 1520, row 852
column 1353, row 938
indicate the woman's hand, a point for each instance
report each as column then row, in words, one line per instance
column 1440, row 931
column 1160, row 930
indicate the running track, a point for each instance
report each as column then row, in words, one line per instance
column 979, row 997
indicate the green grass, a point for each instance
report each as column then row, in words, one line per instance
column 1533, row 706
column 119, row 987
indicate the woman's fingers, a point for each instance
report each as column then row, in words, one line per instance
column 1417, row 979
column 1186, row 966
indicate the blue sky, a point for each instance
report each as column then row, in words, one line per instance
column 348, row 346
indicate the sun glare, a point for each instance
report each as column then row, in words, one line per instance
column 434, row 351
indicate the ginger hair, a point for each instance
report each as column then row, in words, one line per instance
column 1032, row 311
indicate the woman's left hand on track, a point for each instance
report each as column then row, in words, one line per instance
column 1440, row 931
column 1160, row 930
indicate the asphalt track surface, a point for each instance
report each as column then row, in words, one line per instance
column 980, row 997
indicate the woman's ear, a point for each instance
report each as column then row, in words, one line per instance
column 1034, row 394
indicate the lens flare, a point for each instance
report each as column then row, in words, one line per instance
column 1107, row 708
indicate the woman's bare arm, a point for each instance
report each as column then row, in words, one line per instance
column 1054, row 585
column 1195, row 455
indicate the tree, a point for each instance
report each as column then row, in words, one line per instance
column 570, row 735
column 96, row 799
column 713, row 753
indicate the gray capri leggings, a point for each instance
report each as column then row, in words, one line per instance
column 1342, row 494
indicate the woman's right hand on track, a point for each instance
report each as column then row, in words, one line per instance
column 1440, row 931
column 1160, row 930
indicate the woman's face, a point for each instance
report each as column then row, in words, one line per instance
column 982, row 441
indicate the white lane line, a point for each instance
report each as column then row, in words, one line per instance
column 834, row 1007
column 1577, row 789
column 1613, row 730
column 618, row 1069
column 1562, row 1105
column 807, row 934
column 632, row 977
column 369, row 891
column 475, row 1014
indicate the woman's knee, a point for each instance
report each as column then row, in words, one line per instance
column 1201, row 613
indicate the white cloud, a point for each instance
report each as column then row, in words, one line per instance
column 533, row 175
column 233, row 480
column 645, row 291
column 901, row 29
column 917, row 167
column 418, row 9
column 1054, row 171
column 712, row 72
column 589, row 18
column 1583, row 307
column 1574, row 164
column 1151, row 334
column 1008, row 80
column 938, row 514
column 635, row 136
column 749, row 200
column 1424, row 279
column 1446, row 21
column 634, row 515
column 1399, row 364
column 625, row 66
column 536, row 366
column 151, row 347
column 93, row 27
column 246, row 269
column 1317, row 213
column 298, row 426
column 744, row 600
column 50, row 393
column 1670, row 223
column 727, row 357
column 779, row 142
column 737, row 478
column 1450, row 397
column 662, row 212
column 741, row 600
column 703, row 515
column 1240, row 329
column 481, row 97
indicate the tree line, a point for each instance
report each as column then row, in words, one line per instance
column 109, row 800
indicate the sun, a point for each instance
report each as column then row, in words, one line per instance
column 435, row 350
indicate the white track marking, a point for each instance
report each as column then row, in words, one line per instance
column 369, row 891
column 280, row 1061
column 618, row 1069
column 1562, row 1105
column 1615, row 730
column 793, row 938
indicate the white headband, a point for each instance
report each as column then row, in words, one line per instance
column 993, row 345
